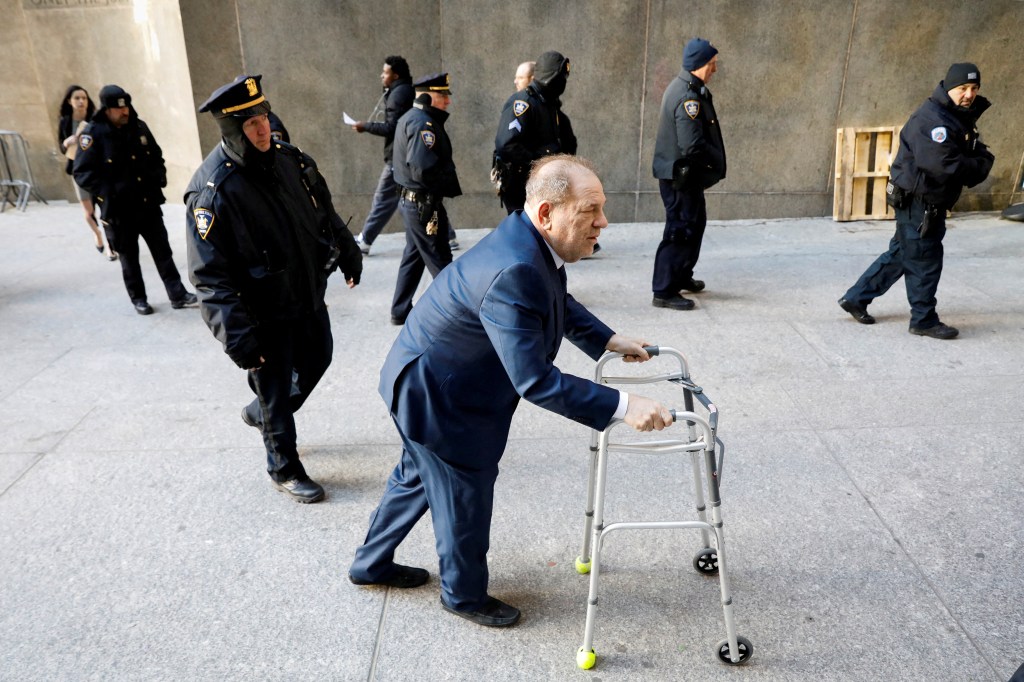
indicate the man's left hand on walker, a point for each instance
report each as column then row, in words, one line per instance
column 632, row 349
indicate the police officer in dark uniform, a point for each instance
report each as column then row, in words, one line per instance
column 425, row 172
column 120, row 163
column 689, row 157
column 940, row 153
column 532, row 126
column 263, row 236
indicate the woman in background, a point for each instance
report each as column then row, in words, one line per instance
column 76, row 109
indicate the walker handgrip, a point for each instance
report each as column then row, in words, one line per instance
column 673, row 413
column 652, row 350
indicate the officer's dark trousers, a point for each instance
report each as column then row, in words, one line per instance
column 513, row 195
column 460, row 502
column 421, row 251
column 686, row 216
column 301, row 347
column 123, row 235
column 915, row 258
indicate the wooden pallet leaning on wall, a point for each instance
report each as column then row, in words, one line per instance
column 863, row 157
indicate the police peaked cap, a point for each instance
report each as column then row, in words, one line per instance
column 549, row 66
column 434, row 82
column 241, row 98
column 114, row 97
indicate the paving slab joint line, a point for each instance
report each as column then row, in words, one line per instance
column 378, row 636
column 917, row 567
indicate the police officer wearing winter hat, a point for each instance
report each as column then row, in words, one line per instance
column 120, row 163
column 425, row 172
column 689, row 157
column 940, row 153
column 263, row 236
column 532, row 125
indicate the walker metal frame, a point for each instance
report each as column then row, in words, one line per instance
column 701, row 438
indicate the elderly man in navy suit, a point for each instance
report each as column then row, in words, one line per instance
column 484, row 335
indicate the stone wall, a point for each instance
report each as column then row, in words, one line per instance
column 790, row 73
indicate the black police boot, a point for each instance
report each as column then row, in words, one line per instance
column 677, row 302
column 493, row 614
column 694, row 285
column 187, row 301
column 939, row 331
column 301, row 489
column 142, row 307
column 403, row 577
column 859, row 313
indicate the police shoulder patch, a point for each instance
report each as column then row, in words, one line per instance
column 691, row 107
column 204, row 221
column 428, row 138
column 84, row 142
column 939, row 134
column 519, row 107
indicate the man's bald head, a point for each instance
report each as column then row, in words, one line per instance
column 524, row 74
column 565, row 202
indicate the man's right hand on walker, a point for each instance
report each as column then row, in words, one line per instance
column 644, row 414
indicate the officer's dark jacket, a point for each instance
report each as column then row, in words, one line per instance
column 423, row 153
column 532, row 126
column 940, row 150
column 122, row 167
column 397, row 101
column 258, row 242
column 689, row 133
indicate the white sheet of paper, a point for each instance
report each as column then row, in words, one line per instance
column 349, row 121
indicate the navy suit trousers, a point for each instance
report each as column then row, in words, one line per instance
column 460, row 502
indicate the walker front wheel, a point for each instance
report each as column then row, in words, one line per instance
column 705, row 561
column 743, row 647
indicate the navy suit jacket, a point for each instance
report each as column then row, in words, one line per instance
column 484, row 335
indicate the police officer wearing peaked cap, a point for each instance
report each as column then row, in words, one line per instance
column 940, row 153
column 263, row 236
column 120, row 163
column 425, row 171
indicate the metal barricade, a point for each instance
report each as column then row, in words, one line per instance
column 15, row 172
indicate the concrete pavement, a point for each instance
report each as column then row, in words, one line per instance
column 873, row 488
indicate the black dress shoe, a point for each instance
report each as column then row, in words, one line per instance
column 859, row 313
column 939, row 331
column 403, row 577
column 674, row 303
column 494, row 614
column 142, row 308
column 186, row 301
column 694, row 285
column 397, row 321
column 301, row 489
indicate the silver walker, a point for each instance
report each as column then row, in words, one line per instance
column 701, row 437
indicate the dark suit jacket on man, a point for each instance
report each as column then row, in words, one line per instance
column 484, row 335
